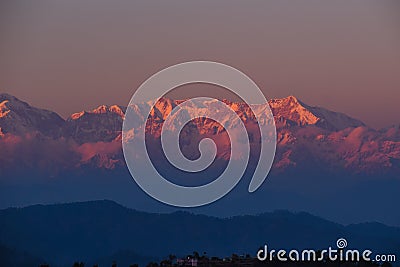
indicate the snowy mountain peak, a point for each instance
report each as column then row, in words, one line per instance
column 5, row 96
column 9, row 103
column 102, row 109
column 4, row 110
column 162, row 108
column 302, row 130
column 118, row 110
column 290, row 108
column 18, row 117
column 77, row 115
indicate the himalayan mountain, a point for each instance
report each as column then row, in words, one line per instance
column 321, row 156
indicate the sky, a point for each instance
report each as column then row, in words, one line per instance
column 68, row 56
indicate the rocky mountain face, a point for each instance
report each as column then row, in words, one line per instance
column 101, row 124
column 307, row 137
column 19, row 118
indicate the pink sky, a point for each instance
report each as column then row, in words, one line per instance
column 73, row 55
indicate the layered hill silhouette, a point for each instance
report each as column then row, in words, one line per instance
column 100, row 230
column 326, row 162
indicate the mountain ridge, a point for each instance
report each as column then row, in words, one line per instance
column 95, row 135
column 165, row 108
column 318, row 169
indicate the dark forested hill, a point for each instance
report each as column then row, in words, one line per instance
column 89, row 231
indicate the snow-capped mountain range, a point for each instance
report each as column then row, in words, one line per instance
column 306, row 136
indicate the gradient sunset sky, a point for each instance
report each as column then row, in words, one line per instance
column 73, row 55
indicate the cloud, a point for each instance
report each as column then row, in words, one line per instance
column 89, row 150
